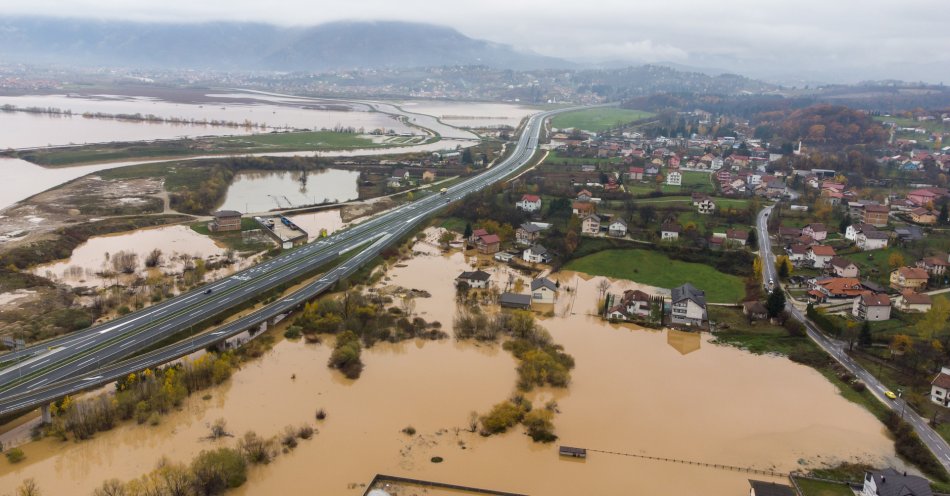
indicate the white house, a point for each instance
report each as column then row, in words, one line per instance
column 818, row 232
column 529, row 203
column 940, row 388
column 889, row 482
column 590, row 224
column 670, row 232
column 716, row 163
column 688, row 305
column 617, row 228
column 674, row 178
column 536, row 254
column 476, row 280
column 636, row 302
column 543, row 291
column 871, row 307
column 871, row 240
column 820, row 255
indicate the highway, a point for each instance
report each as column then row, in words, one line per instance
column 91, row 357
column 837, row 350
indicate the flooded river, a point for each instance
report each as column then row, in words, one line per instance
column 260, row 191
column 635, row 391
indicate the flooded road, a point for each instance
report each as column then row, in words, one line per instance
column 471, row 114
column 636, row 391
column 260, row 191
column 313, row 222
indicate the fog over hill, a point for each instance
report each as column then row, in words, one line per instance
column 253, row 46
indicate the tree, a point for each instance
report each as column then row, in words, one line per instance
column 753, row 240
column 775, row 304
column 845, row 222
column 864, row 339
column 901, row 343
column 944, row 214
column 895, row 260
column 757, row 268
column 468, row 230
column 935, row 320
column 783, row 266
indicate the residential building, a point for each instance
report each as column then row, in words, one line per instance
column 839, row 287
column 912, row 278
column 688, row 306
column 940, row 388
column 889, row 482
column 851, row 232
column 590, row 224
column 923, row 215
column 909, row 278
column 670, row 232
column 797, row 253
column 787, row 234
column 537, row 254
column 674, row 178
column 925, row 196
column 935, row 266
column 755, row 310
column 543, row 290
column 737, row 237
column 876, row 215
column 636, row 303
column 776, row 188
column 871, row 240
column 617, row 228
column 515, row 300
column 584, row 196
column 528, row 233
column 635, row 173
column 477, row 233
column 761, row 488
column 225, row 220
column 529, row 203
column 488, row 244
column 817, row 231
column 820, row 255
column 842, row 267
column 582, row 208
column 476, row 280
column 911, row 301
column 872, row 307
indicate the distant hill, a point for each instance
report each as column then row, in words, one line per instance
column 251, row 46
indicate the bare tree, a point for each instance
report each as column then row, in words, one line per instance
column 602, row 287
column 154, row 258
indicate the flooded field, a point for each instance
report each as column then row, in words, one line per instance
column 471, row 114
column 94, row 256
column 313, row 222
column 260, row 191
column 634, row 391
column 30, row 130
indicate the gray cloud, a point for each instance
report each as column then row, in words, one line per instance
column 845, row 40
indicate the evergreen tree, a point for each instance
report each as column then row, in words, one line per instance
column 775, row 304
column 864, row 339
column 944, row 214
column 468, row 230
column 753, row 240
column 845, row 222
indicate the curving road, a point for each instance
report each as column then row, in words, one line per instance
column 36, row 375
column 837, row 350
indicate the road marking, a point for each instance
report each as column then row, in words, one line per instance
column 126, row 345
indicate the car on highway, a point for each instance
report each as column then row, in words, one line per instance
column 890, row 395
column 208, row 291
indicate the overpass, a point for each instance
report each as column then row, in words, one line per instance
column 37, row 375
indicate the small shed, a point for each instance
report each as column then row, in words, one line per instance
column 515, row 300
column 572, row 452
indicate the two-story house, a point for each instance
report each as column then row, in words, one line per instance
column 543, row 291
column 889, row 482
column 842, row 267
column 528, row 233
column 872, row 307
column 820, row 255
column 529, row 203
column 912, row 278
column 818, row 232
column 940, row 388
column 590, row 224
column 871, row 240
column 476, row 280
column 536, row 254
column 670, row 231
column 688, row 306
column 617, row 228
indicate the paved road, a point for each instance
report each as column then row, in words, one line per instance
column 837, row 350
column 77, row 361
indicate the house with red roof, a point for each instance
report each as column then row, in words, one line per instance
column 529, row 203
column 820, row 255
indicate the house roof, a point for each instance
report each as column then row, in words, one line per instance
column 823, row 251
column 874, row 234
column 592, row 217
column 817, row 227
column 914, row 298
column 789, row 231
column 799, row 249
column 538, row 250
column 770, row 488
column 754, row 307
column 877, row 208
column 531, row 228
column 875, row 300
column 543, row 282
column 841, row 262
column 936, row 261
column 671, row 227
column 479, row 233
column 478, row 275
column 737, row 234
column 531, row 198
column 843, row 286
column 942, row 380
column 890, row 482
column 912, row 273
column 515, row 299
column 635, row 295
column 221, row 214
column 689, row 292
column 618, row 221
column 490, row 239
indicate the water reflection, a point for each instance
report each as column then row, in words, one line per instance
column 261, row 191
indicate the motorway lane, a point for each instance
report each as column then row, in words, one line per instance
column 74, row 361
column 836, row 349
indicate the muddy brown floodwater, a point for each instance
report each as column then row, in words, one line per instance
column 636, row 391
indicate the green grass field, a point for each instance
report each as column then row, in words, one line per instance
column 874, row 264
column 254, row 143
column 811, row 487
column 598, row 119
column 656, row 269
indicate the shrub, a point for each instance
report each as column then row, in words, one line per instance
column 15, row 455
column 539, row 425
column 501, row 417
column 321, row 414
column 346, row 355
column 154, row 419
column 216, row 471
column 293, row 332
column 409, row 431
column 254, row 448
column 288, row 439
column 305, row 432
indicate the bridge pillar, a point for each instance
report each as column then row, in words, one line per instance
column 45, row 414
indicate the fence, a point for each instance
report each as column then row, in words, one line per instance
column 695, row 463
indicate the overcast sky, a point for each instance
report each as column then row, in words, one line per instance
column 816, row 39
